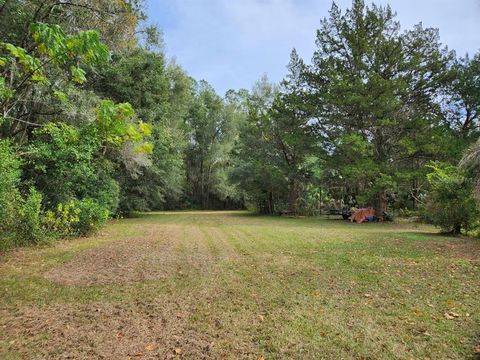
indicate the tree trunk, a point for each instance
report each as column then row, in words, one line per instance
column 457, row 229
column 414, row 195
column 292, row 196
column 202, row 184
column 270, row 202
column 381, row 205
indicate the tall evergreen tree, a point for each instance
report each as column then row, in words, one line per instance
column 293, row 132
column 375, row 91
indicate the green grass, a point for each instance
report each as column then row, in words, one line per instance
column 234, row 285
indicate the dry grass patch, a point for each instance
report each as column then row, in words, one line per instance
column 230, row 285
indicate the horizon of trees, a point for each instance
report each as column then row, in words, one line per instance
column 97, row 122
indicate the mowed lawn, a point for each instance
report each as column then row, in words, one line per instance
column 230, row 285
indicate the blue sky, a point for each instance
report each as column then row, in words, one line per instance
column 232, row 43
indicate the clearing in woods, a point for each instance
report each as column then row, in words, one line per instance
column 233, row 285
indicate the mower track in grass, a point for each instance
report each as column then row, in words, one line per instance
column 230, row 285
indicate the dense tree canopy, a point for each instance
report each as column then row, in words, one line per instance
column 372, row 109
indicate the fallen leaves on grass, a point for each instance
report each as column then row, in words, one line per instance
column 178, row 351
column 450, row 315
column 417, row 312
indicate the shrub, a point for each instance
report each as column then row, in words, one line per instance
column 75, row 218
column 60, row 161
column 450, row 204
column 106, row 191
column 9, row 180
column 61, row 222
column 20, row 217
column 30, row 229
column 90, row 217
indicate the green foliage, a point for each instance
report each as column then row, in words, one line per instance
column 5, row 92
column 276, row 146
column 39, row 75
column 257, row 169
column 60, row 160
column 20, row 217
column 471, row 163
column 116, row 126
column 160, row 94
column 92, row 214
column 463, row 105
column 62, row 221
column 85, row 46
column 31, row 228
column 104, row 16
column 213, row 128
column 10, row 199
column 450, row 204
column 69, row 147
column 374, row 90
column 31, row 65
column 67, row 162
column 59, row 49
column 75, row 218
column 9, row 169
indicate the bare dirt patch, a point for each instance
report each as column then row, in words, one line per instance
column 162, row 252
column 142, row 258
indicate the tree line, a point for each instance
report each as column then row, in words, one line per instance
column 98, row 122
column 379, row 117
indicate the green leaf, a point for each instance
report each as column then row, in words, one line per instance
column 145, row 148
column 78, row 74
column 146, row 129
column 5, row 92
column 60, row 95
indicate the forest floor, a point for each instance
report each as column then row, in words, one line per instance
column 230, row 285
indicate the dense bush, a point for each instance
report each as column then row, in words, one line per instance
column 91, row 216
column 450, row 204
column 61, row 222
column 20, row 216
column 60, row 160
column 9, row 180
column 9, row 195
column 30, row 228
column 75, row 218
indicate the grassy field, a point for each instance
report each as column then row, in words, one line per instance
column 229, row 285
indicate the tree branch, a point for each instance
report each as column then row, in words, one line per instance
column 23, row 121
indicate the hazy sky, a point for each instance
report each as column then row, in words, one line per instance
column 231, row 43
